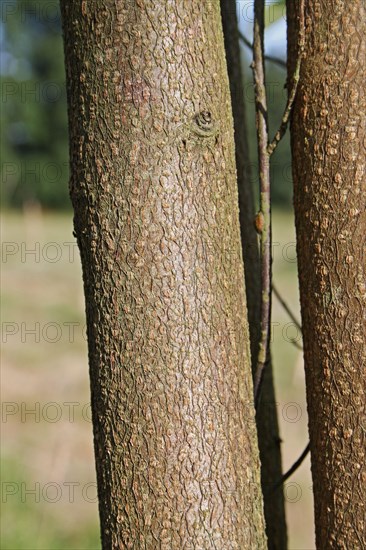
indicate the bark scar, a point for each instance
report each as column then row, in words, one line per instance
column 203, row 125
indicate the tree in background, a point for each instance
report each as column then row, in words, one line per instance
column 154, row 190
column 33, row 144
column 329, row 158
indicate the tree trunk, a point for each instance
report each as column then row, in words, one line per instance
column 267, row 425
column 153, row 186
column 328, row 144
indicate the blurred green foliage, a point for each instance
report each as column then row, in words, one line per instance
column 34, row 136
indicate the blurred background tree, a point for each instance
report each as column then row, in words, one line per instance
column 34, row 140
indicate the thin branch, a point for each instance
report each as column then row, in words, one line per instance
column 264, row 216
column 296, row 344
column 295, row 81
column 286, row 115
column 277, row 60
column 293, row 468
column 285, row 307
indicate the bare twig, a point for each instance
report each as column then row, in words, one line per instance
column 277, row 60
column 264, row 216
column 293, row 468
column 285, row 307
column 296, row 344
column 295, row 81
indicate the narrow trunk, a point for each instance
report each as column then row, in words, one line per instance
column 154, row 192
column 267, row 425
column 328, row 144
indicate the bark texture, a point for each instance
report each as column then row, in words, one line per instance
column 329, row 157
column 154, row 192
column 266, row 418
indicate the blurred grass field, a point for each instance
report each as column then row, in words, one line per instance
column 47, row 470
